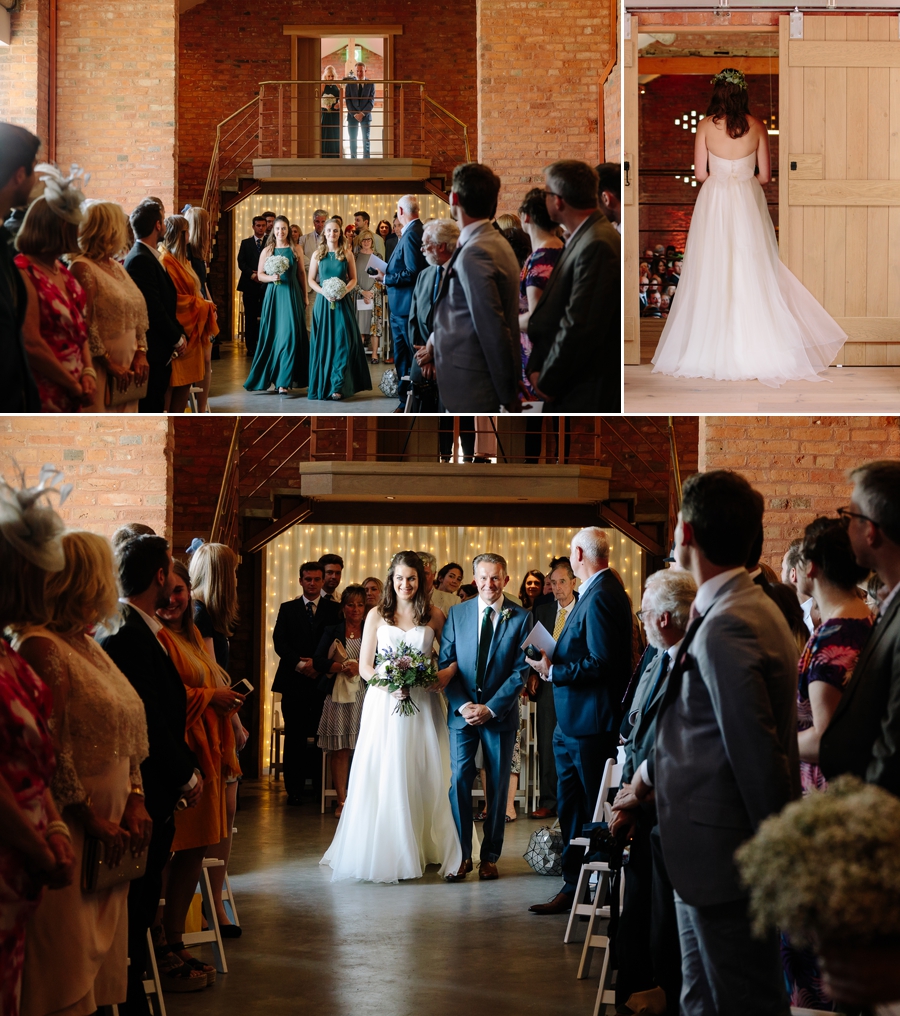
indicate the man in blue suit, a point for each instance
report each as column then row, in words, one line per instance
column 403, row 270
column 359, row 97
column 590, row 669
column 483, row 637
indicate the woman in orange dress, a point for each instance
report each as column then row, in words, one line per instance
column 196, row 315
column 210, row 704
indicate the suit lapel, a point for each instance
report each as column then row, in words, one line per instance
column 568, row 252
column 498, row 633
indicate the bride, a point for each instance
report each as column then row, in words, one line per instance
column 397, row 817
column 738, row 313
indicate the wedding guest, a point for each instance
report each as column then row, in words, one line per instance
column 610, row 191
column 282, row 354
column 429, row 568
column 404, row 266
column 298, row 631
column 373, row 587
column 337, row 368
column 368, row 289
column 450, row 577
column 589, row 671
column 331, row 116
column 199, row 252
column 520, row 243
column 310, row 241
column 35, row 844
column 350, row 235
column 196, row 314
column 270, row 222
column 727, row 724
column 360, row 101
column 342, row 711
column 296, row 235
column 531, row 587
column 18, row 152
column 211, row 704
column 165, row 336
column 442, row 595
column 332, row 569
column 127, row 532
column 115, row 310
column 508, row 221
column 249, row 286
column 100, row 737
column 171, row 770
column 476, row 315
column 575, row 328
column 467, row 591
column 862, row 737
column 54, row 329
column 385, row 230
column 362, row 221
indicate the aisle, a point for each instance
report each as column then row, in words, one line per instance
column 350, row 949
column 227, row 394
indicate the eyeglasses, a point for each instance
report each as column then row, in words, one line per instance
column 845, row 515
column 641, row 614
column 550, row 193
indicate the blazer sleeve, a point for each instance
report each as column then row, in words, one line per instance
column 248, row 257
column 603, row 632
column 146, row 277
column 884, row 769
column 284, row 636
column 507, row 694
column 420, row 294
column 447, row 654
column 405, row 267
column 595, row 289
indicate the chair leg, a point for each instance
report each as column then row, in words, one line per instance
column 582, row 889
column 228, row 894
column 213, row 921
column 160, row 1007
column 601, row 987
column 584, row 967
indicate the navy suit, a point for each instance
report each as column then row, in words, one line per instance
column 359, row 97
column 251, row 291
column 504, row 678
column 591, row 667
column 406, row 263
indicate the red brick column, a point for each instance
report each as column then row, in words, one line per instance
column 23, row 68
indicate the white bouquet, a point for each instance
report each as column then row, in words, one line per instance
column 328, row 101
column 333, row 289
column 277, row 264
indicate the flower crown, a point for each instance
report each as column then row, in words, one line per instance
column 732, row 76
column 63, row 193
column 34, row 529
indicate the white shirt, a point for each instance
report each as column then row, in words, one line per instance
column 406, row 227
column 885, row 603
column 467, row 231
column 576, row 231
column 710, row 588
column 495, row 618
column 315, row 602
column 644, row 769
column 153, row 623
column 807, row 607
column 149, row 246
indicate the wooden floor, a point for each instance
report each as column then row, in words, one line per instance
column 852, row 390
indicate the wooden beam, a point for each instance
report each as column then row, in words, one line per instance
column 335, row 31
column 871, row 329
column 702, row 29
column 872, row 53
column 706, row 64
column 847, row 193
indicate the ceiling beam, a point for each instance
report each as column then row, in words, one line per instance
column 706, row 64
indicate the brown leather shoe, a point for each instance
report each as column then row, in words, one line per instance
column 488, row 871
column 543, row 813
column 560, row 904
column 464, row 870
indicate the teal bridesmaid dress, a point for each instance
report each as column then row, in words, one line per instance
column 337, row 360
column 282, row 353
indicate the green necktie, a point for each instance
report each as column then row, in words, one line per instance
column 484, row 647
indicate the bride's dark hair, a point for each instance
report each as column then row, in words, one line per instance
column 387, row 605
column 730, row 100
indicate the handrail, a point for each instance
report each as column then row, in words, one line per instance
column 676, row 468
column 228, row 481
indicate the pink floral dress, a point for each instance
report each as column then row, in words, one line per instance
column 63, row 328
column 27, row 763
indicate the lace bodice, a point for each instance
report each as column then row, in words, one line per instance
column 117, row 305
column 735, row 169
column 103, row 719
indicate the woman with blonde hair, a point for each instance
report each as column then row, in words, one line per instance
column 196, row 314
column 100, row 733
column 337, row 362
column 199, row 251
column 211, row 702
column 331, row 115
column 368, row 289
column 116, row 312
column 282, row 350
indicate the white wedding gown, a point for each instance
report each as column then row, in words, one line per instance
column 738, row 313
column 397, row 816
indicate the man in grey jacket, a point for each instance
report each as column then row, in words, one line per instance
column 476, row 317
column 726, row 751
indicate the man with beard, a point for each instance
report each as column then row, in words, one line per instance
column 18, row 151
column 170, row 772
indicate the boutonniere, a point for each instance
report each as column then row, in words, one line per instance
column 505, row 614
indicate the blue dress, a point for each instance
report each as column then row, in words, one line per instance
column 337, row 360
column 282, row 353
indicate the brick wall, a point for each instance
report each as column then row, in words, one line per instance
column 225, row 51
column 121, row 466
column 539, row 68
column 636, row 448
column 23, row 69
column 117, row 96
column 798, row 463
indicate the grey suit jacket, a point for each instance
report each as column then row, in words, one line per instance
column 726, row 741
column 576, row 326
column 864, row 734
column 476, row 326
column 642, row 738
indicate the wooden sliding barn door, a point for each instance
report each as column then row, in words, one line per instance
column 631, row 239
column 839, row 175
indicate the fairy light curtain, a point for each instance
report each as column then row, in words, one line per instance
column 367, row 550
column 299, row 209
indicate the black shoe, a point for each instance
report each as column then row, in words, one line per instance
column 230, row 930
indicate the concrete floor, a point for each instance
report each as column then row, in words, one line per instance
column 423, row 948
column 228, row 395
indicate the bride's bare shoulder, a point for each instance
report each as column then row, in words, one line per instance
column 437, row 619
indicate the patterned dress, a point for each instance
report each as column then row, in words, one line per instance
column 27, row 764
column 62, row 327
column 535, row 274
column 339, row 725
column 830, row 656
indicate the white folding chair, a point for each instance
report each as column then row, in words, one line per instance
column 152, row 984
column 212, row 935
column 328, row 791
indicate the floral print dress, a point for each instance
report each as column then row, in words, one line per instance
column 535, row 274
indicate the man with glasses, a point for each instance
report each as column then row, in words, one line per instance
column 863, row 737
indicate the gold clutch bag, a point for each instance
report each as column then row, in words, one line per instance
column 96, row 874
column 116, row 397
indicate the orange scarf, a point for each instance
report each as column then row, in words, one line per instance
column 196, row 315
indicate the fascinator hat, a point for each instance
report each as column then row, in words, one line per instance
column 29, row 524
column 63, row 193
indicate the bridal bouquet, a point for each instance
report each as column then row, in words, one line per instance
column 333, row 290
column 826, row 870
column 328, row 101
column 401, row 666
column 277, row 264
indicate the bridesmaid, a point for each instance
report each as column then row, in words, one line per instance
column 282, row 352
column 331, row 117
column 337, row 367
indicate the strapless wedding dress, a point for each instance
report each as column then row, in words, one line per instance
column 738, row 313
column 397, row 816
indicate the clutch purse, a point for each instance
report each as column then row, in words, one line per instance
column 96, row 875
column 116, row 397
